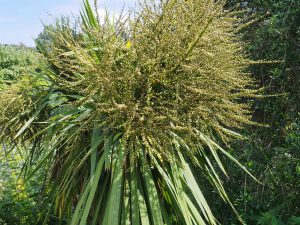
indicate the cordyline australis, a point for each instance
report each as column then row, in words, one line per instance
column 124, row 111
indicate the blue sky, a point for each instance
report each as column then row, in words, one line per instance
column 20, row 20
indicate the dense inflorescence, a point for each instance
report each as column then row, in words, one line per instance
column 177, row 66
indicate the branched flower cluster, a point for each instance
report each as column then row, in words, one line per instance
column 177, row 66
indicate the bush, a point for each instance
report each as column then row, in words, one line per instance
column 18, row 201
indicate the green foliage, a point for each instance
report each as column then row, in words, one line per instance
column 278, row 170
column 272, row 217
column 276, row 37
column 273, row 153
column 14, row 61
column 18, row 202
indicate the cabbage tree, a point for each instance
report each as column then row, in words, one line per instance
column 126, row 110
